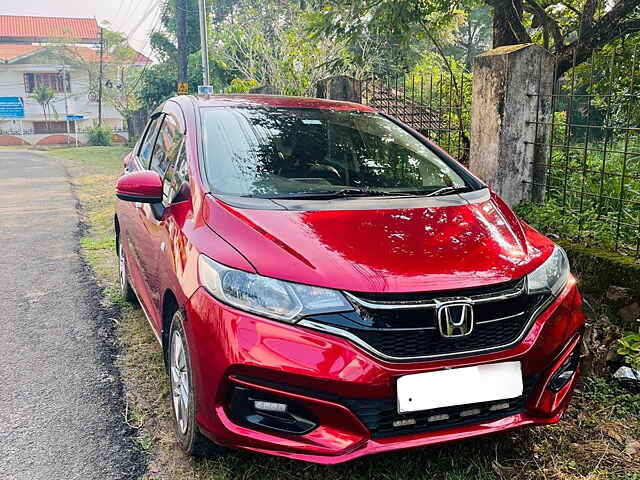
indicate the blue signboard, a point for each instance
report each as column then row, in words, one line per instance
column 11, row 107
column 205, row 90
column 75, row 117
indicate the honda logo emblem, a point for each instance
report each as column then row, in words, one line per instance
column 455, row 318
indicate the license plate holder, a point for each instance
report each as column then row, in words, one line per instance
column 459, row 386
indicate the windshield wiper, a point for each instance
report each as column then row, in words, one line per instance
column 345, row 192
column 447, row 191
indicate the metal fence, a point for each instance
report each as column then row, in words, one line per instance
column 593, row 162
column 437, row 105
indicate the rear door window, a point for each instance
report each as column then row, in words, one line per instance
column 146, row 146
column 165, row 154
column 167, row 146
column 177, row 175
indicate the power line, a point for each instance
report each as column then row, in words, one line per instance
column 144, row 17
column 135, row 10
column 144, row 68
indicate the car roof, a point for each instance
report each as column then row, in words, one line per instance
column 274, row 101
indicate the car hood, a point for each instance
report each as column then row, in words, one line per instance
column 384, row 245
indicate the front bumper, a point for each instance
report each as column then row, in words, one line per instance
column 336, row 381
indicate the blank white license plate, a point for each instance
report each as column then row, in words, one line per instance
column 459, row 386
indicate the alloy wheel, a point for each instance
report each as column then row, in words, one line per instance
column 179, row 381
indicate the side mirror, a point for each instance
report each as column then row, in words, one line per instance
column 143, row 187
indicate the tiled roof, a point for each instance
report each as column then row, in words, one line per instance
column 90, row 55
column 394, row 102
column 10, row 52
column 13, row 26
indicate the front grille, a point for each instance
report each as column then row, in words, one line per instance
column 429, row 342
column 378, row 415
column 412, row 330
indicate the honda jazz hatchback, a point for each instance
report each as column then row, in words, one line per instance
column 327, row 283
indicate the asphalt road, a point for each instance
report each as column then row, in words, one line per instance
column 61, row 410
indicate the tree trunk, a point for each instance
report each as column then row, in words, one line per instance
column 507, row 23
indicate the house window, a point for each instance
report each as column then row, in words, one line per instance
column 51, row 80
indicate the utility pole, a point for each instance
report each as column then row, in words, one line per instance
column 203, row 42
column 66, row 102
column 100, row 78
column 181, row 32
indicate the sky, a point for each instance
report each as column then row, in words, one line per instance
column 135, row 18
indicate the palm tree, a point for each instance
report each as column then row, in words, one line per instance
column 44, row 95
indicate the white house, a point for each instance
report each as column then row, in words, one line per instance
column 28, row 60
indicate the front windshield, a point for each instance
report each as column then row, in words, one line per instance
column 277, row 152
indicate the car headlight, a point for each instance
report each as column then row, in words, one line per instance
column 268, row 296
column 552, row 275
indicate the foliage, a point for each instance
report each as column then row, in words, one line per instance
column 565, row 221
column 158, row 81
column 164, row 41
column 120, row 71
column 403, row 30
column 612, row 81
column 99, row 136
column 473, row 35
column 619, row 402
column 629, row 347
column 587, row 199
column 132, row 140
column 44, row 95
column 239, row 85
column 444, row 85
column 267, row 44
column 573, row 32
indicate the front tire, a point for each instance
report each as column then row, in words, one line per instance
column 183, row 393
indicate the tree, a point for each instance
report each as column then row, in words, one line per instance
column 266, row 44
column 571, row 30
column 473, row 36
column 158, row 81
column 121, row 72
column 164, row 42
column 121, row 77
column 407, row 27
column 44, row 95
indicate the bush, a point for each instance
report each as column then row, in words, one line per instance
column 629, row 347
column 131, row 142
column 100, row 136
column 592, row 195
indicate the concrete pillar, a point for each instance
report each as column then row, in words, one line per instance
column 340, row 87
column 511, row 110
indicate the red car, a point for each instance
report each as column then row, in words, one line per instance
column 327, row 283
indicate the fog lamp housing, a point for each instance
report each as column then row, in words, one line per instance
column 566, row 371
column 265, row 411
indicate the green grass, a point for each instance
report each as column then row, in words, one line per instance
column 587, row 444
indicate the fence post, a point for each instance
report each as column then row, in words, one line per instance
column 510, row 120
column 340, row 87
